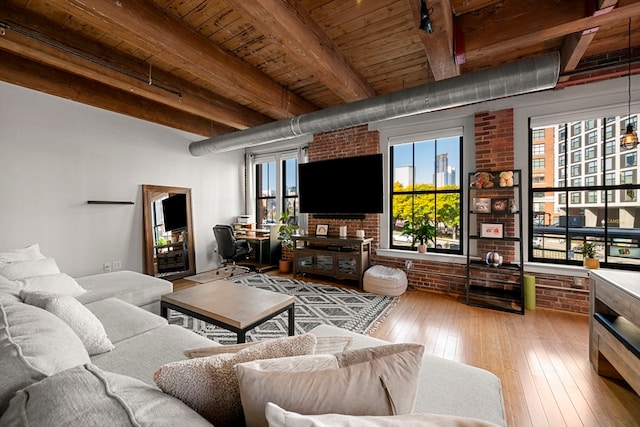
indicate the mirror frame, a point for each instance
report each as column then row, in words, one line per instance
column 149, row 194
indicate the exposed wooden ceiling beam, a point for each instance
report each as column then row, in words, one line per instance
column 439, row 43
column 23, row 72
column 476, row 51
column 575, row 45
column 143, row 25
column 72, row 53
column 301, row 37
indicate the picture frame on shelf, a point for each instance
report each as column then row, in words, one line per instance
column 481, row 205
column 500, row 205
column 492, row 230
column 322, row 229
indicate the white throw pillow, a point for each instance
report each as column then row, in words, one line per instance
column 83, row 322
column 23, row 254
column 61, row 284
column 9, row 290
column 23, row 269
column 278, row 417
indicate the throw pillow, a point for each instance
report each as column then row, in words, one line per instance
column 88, row 396
column 23, row 254
column 278, row 417
column 60, row 283
column 209, row 384
column 310, row 362
column 324, row 345
column 9, row 290
column 385, row 384
column 29, row 268
column 35, row 344
column 83, row 322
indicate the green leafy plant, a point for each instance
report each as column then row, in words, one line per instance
column 287, row 229
column 162, row 241
column 587, row 249
column 421, row 230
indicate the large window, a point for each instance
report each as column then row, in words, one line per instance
column 426, row 186
column 599, row 203
column 276, row 187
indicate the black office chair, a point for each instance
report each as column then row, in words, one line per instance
column 231, row 249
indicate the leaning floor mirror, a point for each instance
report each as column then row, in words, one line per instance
column 168, row 232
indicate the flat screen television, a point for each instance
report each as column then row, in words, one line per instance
column 174, row 209
column 341, row 187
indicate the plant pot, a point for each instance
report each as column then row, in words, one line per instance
column 591, row 263
column 422, row 248
column 285, row 265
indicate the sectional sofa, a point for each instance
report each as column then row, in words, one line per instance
column 85, row 351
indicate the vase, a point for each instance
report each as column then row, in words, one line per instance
column 422, row 248
column 591, row 263
column 285, row 265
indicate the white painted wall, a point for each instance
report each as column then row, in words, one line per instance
column 56, row 154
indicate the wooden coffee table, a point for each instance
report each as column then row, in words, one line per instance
column 237, row 308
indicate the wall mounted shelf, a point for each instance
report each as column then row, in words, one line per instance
column 108, row 202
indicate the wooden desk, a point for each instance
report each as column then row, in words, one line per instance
column 614, row 325
column 266, row 248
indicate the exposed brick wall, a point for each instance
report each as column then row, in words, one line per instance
column 558, row 292
column 494, row 140
column 356, row 141
column 494, row 152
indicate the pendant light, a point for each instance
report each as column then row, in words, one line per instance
column 629, row 140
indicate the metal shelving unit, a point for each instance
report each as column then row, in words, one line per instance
column 493, row 227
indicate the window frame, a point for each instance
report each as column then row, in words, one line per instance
column 414, row 139
column 604, row 182
column 279, row 158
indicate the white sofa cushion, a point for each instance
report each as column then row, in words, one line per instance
column 33, row 344
column 58, row 283
column 130, row 286
column 87, row 396
column 29, row 268
column 9, row 290
column 278, row 417
column 83, row 322
column 31, row 252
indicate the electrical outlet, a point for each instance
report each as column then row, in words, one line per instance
column 106, row 266
column 578, row 282
column 408, row 264
column 116, row 265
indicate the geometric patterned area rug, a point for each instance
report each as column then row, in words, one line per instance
column 315, row 305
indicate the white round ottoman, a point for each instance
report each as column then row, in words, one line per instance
column 383, row 280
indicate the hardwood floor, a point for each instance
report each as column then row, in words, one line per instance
column 542, row 358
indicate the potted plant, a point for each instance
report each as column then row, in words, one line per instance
column 286, row 231
column 420, row 230
column 588, row 251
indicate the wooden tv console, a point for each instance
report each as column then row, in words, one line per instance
column 338, row 257
column 614, row 325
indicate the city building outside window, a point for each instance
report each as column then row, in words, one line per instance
column 598, row 203
column 276, row 187
column 425, row 176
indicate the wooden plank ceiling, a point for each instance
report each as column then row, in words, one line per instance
column 212, row 67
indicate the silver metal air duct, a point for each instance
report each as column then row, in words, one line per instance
column 528, row 75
